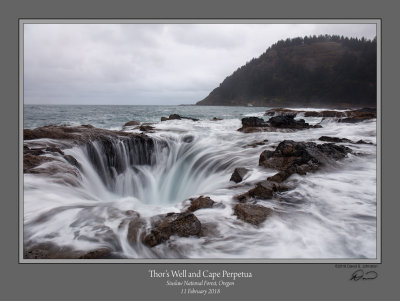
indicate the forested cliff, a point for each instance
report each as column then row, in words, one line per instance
column 312, row 71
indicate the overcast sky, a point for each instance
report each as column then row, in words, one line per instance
column 147, row 63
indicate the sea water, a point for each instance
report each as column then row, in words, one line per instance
column 330, row 213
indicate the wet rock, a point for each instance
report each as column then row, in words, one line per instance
column 71, row 160
column 301, row 157
column 334, row 139
column 174, row 116
column 253, row 122
column 216, row 119
column 263, row 190
column 180, row 224
column 363, row 142
column 177, row 117
column 54, row 150
column 328, row 113
column 78, row 134
column 132, row 123
column 32, row 161
column 342, row 140
column 279, row 177
column 281, row 111
column 135, row 227
column 209, row 230
column 200, row 203
column 101, row 253
column 188, row 139
column 146, row 128
column 49, row 251
column 33, row 151
column 253, row 214
column 349, row 116
column 288, row 121
column 238, row 174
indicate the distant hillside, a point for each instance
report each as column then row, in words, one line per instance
column 310, row 71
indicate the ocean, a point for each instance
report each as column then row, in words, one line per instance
column 327, row 214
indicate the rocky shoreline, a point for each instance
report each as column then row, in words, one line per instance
column 43, row 153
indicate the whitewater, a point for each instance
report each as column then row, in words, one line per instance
column 328, row 214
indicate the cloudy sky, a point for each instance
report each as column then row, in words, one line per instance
column 147, row 63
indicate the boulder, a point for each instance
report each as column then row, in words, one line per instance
column 253, row 122
column 279, row 177
column 200, row 203
column 293, row 154
column 300, row 157
column 238, row 174
column 251, row 213
column 288, row 121
column 177, row 117
column 132, row 123
column 146, row 128
column 262, row 190
column 164, row 226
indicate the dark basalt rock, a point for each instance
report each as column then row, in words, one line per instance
column 253, row 122
column 253, row 214
column 135, row 226
column 177, row 117
column 216, row 119
column 188, row 139
column 79, row 134
column 49, row 250
column 71, row 160
column 238, row 174
column 200, row 203
column 300, row 157
column 350, row 116
column 132, row 123
column 32, row 161
column 54, row 150
column 279, row 177
column 335, row 114
column 101, row 253
column 164, row 226
column 363, row 142
column 334, row 139
column 287, row 121
column 263, row 190
column 146, row 128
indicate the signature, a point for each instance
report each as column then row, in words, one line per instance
column 361, row 275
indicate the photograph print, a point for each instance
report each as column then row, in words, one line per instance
column 229, row 141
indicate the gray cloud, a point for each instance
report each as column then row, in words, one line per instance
column 147, row 63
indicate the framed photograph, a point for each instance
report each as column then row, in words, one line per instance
column 200, row 141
